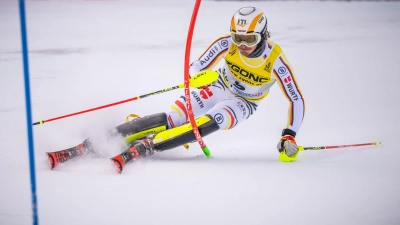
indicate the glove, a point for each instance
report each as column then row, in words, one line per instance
column 287, row 148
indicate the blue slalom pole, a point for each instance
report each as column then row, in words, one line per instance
column 28, row 109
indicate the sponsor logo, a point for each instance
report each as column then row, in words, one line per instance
column 232, row 52
column 219, row 118
column 292, row 92
column 282, row 70
column 199, row 75
column 148, row 132
column 241, row 22
column 246, row 76
column 198, row 100
column 242, row 108
column 198, row 137
column 188, row 100
column 224, row 43
column 209, row 56
column 262, row 18
column 268, row 67
column 238, row 86
column 206, row 93
column 287, row 79
column 244, row 94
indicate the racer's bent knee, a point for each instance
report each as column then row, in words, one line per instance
column 184, row 134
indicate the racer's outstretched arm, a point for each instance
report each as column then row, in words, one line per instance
column 290, row 88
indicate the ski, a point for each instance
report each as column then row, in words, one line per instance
column 57, row 157
column 120, row 160
column 81, row 150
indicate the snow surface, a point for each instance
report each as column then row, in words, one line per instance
column 85, row 54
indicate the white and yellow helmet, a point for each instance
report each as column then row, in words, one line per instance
column 248, row 26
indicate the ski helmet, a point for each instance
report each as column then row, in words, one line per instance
column 248, row 26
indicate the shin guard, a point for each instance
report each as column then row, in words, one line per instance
column 183, row 134
column 142, row 127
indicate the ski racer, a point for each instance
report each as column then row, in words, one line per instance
column 251, row 64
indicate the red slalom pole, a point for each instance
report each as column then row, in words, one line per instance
column 186, row 78
column 376, row 143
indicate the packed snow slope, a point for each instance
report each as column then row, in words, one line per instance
column 84, row 54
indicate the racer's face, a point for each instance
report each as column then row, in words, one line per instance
column 244, row 50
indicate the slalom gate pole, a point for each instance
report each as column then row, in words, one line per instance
column 28, row 110
column 186, row 78
column 301, row 148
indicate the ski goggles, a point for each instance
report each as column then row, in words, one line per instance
column 246, row 39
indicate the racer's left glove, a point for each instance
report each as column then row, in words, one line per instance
column 287, row 146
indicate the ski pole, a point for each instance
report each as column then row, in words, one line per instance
column 301, row 148
column 199, row 79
